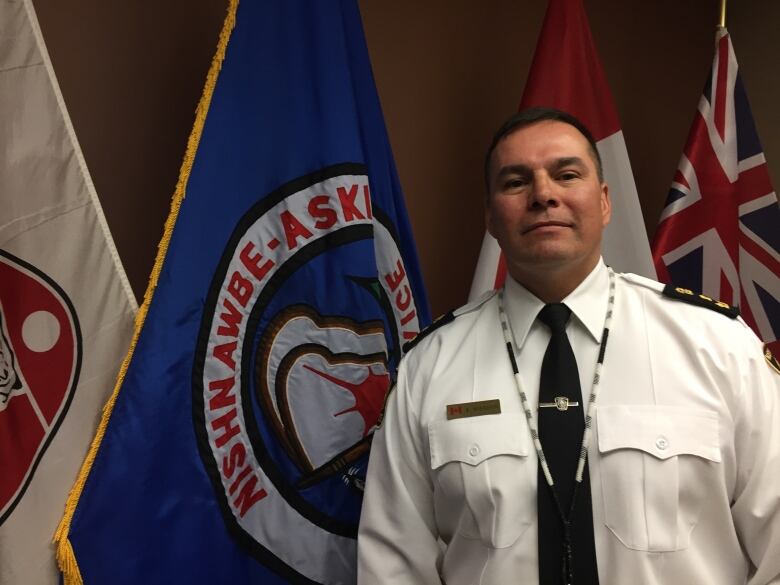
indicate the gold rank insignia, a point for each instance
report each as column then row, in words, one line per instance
column 700, row 300
column 771, row 359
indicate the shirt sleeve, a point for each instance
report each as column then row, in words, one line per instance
column 756, row 506
column 398, row 539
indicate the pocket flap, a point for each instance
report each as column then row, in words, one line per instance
column 661, row 431
column 472, row 440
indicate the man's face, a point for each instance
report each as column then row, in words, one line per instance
column 546, row 207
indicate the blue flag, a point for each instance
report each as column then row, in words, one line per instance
column 235, row 449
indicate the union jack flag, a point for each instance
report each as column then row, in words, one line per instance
column 719, row 232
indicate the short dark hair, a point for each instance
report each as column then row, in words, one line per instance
column 530, row 116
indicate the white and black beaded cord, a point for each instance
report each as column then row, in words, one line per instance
column 509, row 338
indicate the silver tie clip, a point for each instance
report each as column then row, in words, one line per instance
column 561, row 403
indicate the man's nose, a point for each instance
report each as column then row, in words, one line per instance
column 542, row 194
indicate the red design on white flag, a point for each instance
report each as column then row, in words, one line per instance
column 566, row 74
column 718, row 232
column 66, row 308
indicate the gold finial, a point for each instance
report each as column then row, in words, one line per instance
column 722, row 14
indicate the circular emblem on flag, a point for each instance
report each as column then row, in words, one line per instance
column 40, row 358
column 301, row 332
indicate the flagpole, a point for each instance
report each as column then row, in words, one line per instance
column 722, row 13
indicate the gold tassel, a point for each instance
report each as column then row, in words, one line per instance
column 66, row 558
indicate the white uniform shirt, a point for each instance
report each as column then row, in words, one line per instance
column 684, row 458
column 588, row 304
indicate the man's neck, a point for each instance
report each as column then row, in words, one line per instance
column 551, row 285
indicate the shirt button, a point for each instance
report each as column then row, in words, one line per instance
column 662, row 443
column 474, row 450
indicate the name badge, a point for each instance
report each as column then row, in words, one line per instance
column 467, row 409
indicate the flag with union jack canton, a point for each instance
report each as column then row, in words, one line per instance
column 719, row 232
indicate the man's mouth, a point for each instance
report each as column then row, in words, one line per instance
column 546, row 224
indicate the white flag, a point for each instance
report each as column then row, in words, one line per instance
column 66, row 308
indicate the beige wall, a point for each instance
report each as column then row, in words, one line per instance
column 447, row 74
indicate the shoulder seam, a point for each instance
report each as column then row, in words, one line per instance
column 448, row 317
column 440, row 322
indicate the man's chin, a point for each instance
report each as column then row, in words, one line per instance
column 551, row 255
column 550, row 259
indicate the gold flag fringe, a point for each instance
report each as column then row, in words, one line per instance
column 66, row 558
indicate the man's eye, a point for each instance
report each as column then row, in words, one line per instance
column 567, row 176
column 515, row 183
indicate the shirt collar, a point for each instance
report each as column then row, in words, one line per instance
column 588, row 302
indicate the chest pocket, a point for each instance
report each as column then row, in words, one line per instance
column 658, row 466
column 484, row 477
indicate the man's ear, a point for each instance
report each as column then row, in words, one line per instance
column 489, row 218
column 606, row 204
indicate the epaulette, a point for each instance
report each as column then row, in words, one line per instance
column 447, row 318
column 438, row 322
column 682, row 294
column 688, row 296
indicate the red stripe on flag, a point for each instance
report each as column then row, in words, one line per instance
column 720, row 199
column 726, row 290
column 758, row 252
column 500, row 271
column 565, row 63
column 692, row 221
column 721, row 87
column 754, row 183
column 680, row 179
column 697, row 219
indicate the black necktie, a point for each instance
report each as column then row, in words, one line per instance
column 560, row 431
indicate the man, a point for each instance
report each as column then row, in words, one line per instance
column 671, row 395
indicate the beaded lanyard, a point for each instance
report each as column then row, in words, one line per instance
column 509, row 338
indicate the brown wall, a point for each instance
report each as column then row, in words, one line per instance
column 447, row 73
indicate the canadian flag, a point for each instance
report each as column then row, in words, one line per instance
column 566, row 74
